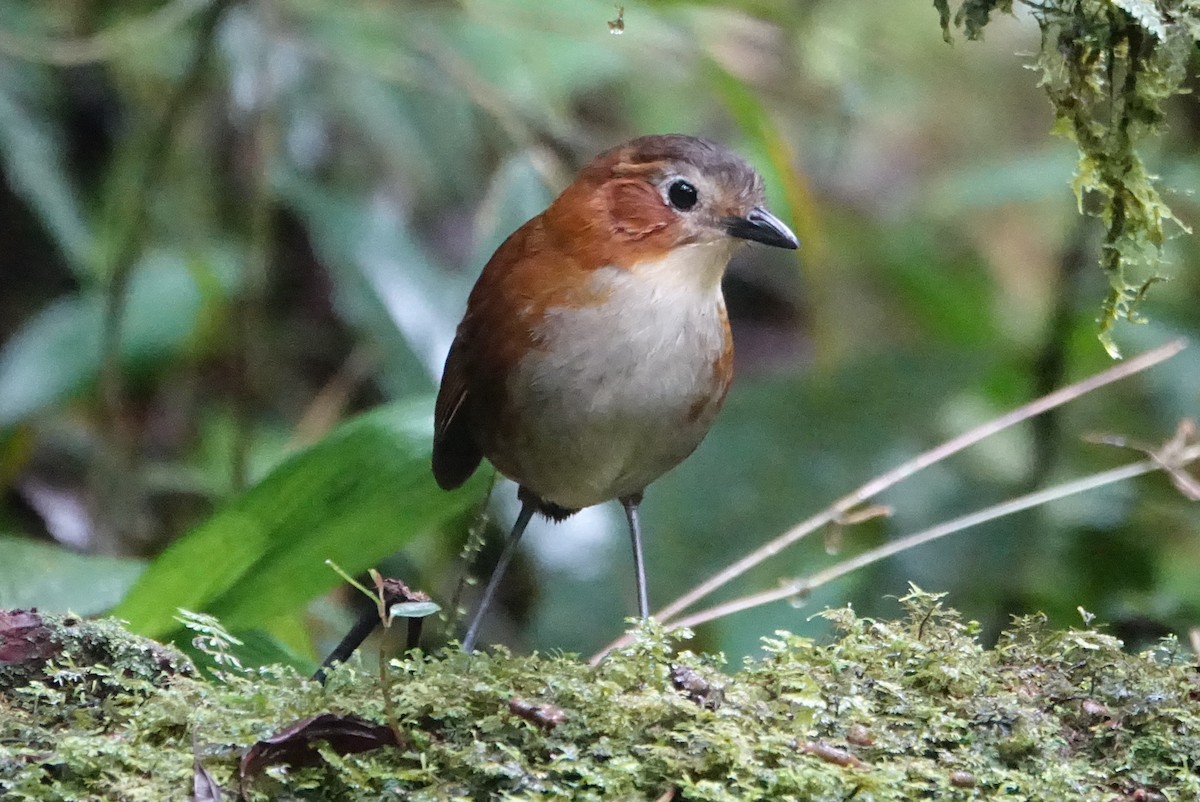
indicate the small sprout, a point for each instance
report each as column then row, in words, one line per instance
column 211, row 638
column 1087, row 617
column 545, row 715
column 393, row 599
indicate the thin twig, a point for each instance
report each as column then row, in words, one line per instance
column 385, row 690
column 366, row 623
column 495, row 102
column 330, row 403
column 839, row 509
column 471, row 547
column 918, row 463
column 808, row 584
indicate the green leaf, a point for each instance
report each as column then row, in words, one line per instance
column 56, row 580
column 355, row 497
column 33, row 166
column 414, row 609
column 49, row 358
column 385, row 283
column 262, row 649
column 57, row 352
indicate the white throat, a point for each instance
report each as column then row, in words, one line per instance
column 697, row 268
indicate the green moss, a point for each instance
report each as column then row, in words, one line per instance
column 901, row 710
column 1109, row 67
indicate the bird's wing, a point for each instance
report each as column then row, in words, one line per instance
column 456, row 455
column 493, row 335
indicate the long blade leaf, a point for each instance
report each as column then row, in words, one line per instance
column 355, row 497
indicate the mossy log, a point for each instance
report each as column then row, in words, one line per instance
column 909, row 709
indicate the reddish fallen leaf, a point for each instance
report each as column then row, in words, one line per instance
column 25, row 638
column 831, row 754
column 295, row 745
column 546, row 716
column 962, row 779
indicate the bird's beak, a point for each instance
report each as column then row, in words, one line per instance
column 762, row 226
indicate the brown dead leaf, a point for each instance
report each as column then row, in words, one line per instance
column 25, row 638
column 546, row 716
column 295, row 745
column 831, row 754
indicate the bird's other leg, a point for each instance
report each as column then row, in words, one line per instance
column 528, row 507
column 630, row 503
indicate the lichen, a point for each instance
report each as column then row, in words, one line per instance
column 1108, row 68
column 887, row 710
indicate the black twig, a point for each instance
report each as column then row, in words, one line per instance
column 392, row 592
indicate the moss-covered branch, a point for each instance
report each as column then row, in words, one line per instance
column 902, row 710
column 1108, row 68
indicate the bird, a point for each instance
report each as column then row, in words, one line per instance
column 595, row 349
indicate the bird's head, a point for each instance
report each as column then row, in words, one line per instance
column 646, row 198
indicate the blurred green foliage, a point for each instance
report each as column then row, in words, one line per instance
column 230, row 229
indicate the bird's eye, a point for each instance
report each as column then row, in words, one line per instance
column 682, row 195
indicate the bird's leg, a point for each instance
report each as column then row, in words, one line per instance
column 630, row 503
column 528, row 507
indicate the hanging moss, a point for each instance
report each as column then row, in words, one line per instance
column 1108, row 68
column 902, row 710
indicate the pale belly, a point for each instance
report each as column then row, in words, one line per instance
column 613, row 400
